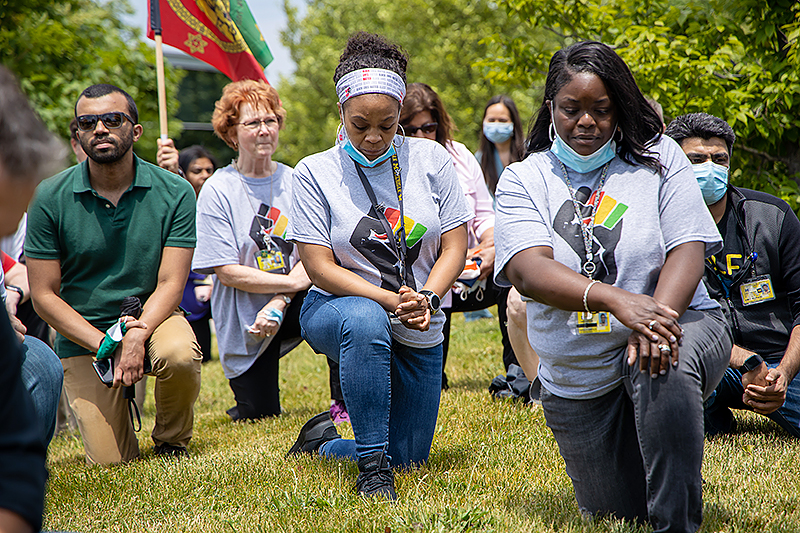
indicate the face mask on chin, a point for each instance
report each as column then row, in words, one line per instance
column 344, row 142
column 583, row 163
column 713, row 181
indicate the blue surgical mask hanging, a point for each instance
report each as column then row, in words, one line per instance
column 713, row 181
column 583, row 163
column 498, row 132
column 344, row 141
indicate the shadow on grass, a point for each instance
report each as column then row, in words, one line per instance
column 559, row 511
column 474, row 384
column 716, row 518
column 451, row 456
column 761, row 425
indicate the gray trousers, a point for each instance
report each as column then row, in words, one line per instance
column 636, row 452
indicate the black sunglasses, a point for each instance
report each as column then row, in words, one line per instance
column 427, row 129
column 111, row 120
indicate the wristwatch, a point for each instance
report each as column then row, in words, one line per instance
column 434, row 302
column 753, row 362
column 17, row 290
column 285, row 299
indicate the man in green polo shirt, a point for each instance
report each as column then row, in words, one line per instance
column 110, row 227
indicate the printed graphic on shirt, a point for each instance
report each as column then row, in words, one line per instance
column 727, row 264
column 270, row 222
column 607, row 230
column 370, row 239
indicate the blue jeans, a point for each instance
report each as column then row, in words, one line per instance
column 391, row 390
column 42, row 375
column 636, row 451
column 728, row 395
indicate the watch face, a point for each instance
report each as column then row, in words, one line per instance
column 434, row 302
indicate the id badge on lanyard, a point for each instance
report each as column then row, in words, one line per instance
column 271, row 259
column 756, row 290
column 591, row 323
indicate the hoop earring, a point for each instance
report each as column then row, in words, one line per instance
column 402, row 137
column 551, row 132
column 621, row 135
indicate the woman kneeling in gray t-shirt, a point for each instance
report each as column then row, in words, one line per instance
column 241, row 238
column 603, row 227
column 379, row 220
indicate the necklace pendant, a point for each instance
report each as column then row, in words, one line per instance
column 589, row 267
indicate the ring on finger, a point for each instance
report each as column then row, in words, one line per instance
column 652, row 324
column 665, row 348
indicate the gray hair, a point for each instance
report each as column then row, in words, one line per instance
column 28, row 151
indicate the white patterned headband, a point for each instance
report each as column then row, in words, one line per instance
column 371, row 80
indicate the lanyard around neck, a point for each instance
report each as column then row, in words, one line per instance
column 265, row 236
column 397, row 242
column 587, row 230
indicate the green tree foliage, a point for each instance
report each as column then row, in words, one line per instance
column 57, row 48
column 445, row 38
column 736, row 59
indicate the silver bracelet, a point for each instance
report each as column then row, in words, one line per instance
column 586, row 294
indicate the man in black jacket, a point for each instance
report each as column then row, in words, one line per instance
column 756, row 279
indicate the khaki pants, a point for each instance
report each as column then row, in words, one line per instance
column 102, row 412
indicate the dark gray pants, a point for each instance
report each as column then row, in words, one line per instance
column 636, row 452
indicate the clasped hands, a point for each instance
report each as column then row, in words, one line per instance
column 269, row 319
column 764, row 389
column 129, row 359
column 413, row 310
column 656, row 336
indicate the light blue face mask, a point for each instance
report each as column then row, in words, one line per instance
column 498, row 132
column 713, row 180
column 344, row 141
column 583, row 163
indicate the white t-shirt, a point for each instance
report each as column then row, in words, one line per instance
column 332, row 209
column 231, row 212
column 641, row 217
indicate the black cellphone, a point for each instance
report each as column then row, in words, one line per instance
column 105, row 369
column 131, row 306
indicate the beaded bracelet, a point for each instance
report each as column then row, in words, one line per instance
column 586, row 294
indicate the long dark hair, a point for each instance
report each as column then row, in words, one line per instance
column 636, row 118
column 421, row 97
column 487, row 147
column 195, row 151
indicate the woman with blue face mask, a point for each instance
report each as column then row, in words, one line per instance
column 501, row 139
column 381, row 220
column 603, row 227
column 501, row 143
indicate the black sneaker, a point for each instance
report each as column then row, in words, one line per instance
column 375, row 478
column 169, row 450
column 314, row 433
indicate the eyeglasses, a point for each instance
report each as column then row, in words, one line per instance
column 427, row 129
column 110, row 120
column 253, row 125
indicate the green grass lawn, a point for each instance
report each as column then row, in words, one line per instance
column 494, row 467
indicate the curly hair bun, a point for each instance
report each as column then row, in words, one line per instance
column 368, row 50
